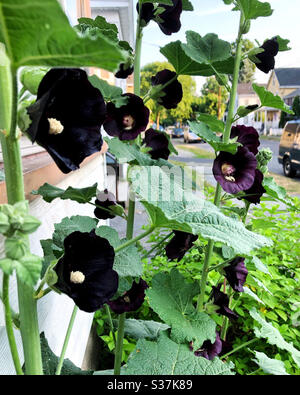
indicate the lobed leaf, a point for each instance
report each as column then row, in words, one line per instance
column 268, row 365
column 109, row 92
column 141, row 329
column 267, row 99
column 165, row 357
column 253, row 9
column 80, row 195
column 171, row 298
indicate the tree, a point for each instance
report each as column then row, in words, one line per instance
column 158, row 113
column 248, row 69
column 214, row 98
column 296, row 106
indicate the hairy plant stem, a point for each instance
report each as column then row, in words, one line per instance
column 111, row 324
column 239, row 347
column 132, row 241
column 131, row 203
column 15, row 193
column 66, row 341
column 9, row 326
column 226, row 137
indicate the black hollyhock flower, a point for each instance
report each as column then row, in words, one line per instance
column 158, row 143
column 236, row 273
column 147, row 12
column 247, row 136
column 124, row 72
column 128, row 121
column 173, row 91
column 255, row 192
column 131, row 300
column 168, row 21
column 235, row 172
column 222, row 300
column 211, row 350
column 267, row 58
column 85, row 271
column 179, row 245
column 104, row 199
column 67, row 117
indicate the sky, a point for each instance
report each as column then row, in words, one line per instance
column 213, row 16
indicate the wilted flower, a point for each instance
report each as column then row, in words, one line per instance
column 211, row 350
column 179, row 245
column 124, row 71
column 247, row 136
column 254, row 193
column 222, row 300
column 67, row 117
column 85, row 271
column 131, row 300
column 235, row 172
column 172, row 92
column 127, row 122
column 236, row 273
column 266, row 59
column 158, row 143
column 104, row 199
column 168, row 20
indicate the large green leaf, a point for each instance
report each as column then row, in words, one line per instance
column 207, row 49
column 171, row 298
column 171, row 204
column 215, row 124
column 268, row 365
column 203, row 131
column 39, row 34
column 183, row 64
column 141, row 329
column 80, row 195
column 109, row 92
column 165, row 357
column 273, row 336
column 127, row 261
column 267, row 99
column 253, row 9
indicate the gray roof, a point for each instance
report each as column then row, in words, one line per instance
column 288, row 76
column 293, row 94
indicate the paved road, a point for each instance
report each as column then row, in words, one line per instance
column 185, row 156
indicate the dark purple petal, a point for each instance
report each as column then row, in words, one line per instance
column 236, row 273
column 66, row 97
column 158, row 143
column 267, row 58
column 104, row 199
column 128, row 121
column 147, row 12
column 222, row 300
column 179, row 245
column 210, row 350
column 124, row 72
column 131, row 300
column 173, row 91
column 236, row 172
column 247, row 136
column 170, row 17
column 257, row 190
column 85, row 272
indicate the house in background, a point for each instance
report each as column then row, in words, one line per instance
column 55, row 310
column 284, row 82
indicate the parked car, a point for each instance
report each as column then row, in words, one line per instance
column 289, row 148
column 191, row 137
column 177, row 132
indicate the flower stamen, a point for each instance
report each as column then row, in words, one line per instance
column 55, row 126
column 128, row 122
column 77, row 277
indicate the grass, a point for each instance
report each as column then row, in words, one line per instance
column 197, row 152
column 272, row 138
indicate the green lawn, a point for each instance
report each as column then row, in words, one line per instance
column 198, row 152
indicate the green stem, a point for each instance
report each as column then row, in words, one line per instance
column 239, row 348
column 157, row 245
column 9, row 326
column 137, row 238
column 226, row 137
column 130, row 218
column 66, row 341
column 15, row 193
column 119, row 345
column 111, row 324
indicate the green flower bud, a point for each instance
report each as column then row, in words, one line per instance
column 263, row 158
column 246, row 26
column 30, row 224
column 16, row 246
column 4, row 223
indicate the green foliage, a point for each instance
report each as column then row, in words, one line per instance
column 80, row 195
column 252, row 9
column 128, row 347
column 109, row 92
column 269, row 100
column 50, row 49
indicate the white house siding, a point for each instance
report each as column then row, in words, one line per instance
column 54, row 310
